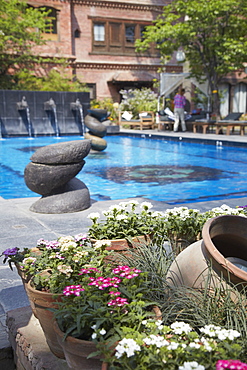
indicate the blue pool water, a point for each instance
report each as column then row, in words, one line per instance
column 164, row 170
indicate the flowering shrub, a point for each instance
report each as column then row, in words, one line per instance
column 138, row 101
column 109, row 105
column 59, row 261
column 173, row 347
column 103, row 300
column 124, row 221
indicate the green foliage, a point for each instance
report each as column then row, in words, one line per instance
column 125, row 221
column 21, row 28
column 103, row 300
column 57, row 79
column 177, row 346
column 211, row 33
column 137, row 101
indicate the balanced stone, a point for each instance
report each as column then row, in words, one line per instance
column 52, row 174
column 68, row 152
column 44, row 178
column 97, row 143
column 95, row 126
column 72, row 197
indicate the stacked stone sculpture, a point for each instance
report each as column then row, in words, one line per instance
column 97, row 130
column 51, row 174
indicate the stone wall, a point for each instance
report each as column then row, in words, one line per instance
column 40, row 120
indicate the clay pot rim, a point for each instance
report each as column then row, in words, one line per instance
column 213, row 252
column 43, row 292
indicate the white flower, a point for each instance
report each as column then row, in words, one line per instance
column 133, row 202
column 159, row 324
column 121, row 217
column 173, row 346
column 64, row 269
column 180, row 327
column 116, row 207
column 94, row 336
column 156, row 340
column 147, row 205
column 66, row 239
column 102, row 332
column 65, row 246
column 194, row 345
column 93, row 215
column 102, row 243
column 158, row 214
column 191, row 366
column 128, row 346
column 93, row 327
column 207, row 344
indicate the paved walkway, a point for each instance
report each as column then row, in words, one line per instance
column 19, row 227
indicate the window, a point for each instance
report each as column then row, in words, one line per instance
column 117, row 37
column 130, row 34
column 77, row 34
column 99, row 32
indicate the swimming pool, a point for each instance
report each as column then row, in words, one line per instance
column 156, row 169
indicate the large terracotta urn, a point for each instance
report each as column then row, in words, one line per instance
column 220, row 256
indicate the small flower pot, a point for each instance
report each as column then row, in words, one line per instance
column 77, row 350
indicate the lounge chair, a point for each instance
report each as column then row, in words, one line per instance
column 146, row 120
column 230, row 122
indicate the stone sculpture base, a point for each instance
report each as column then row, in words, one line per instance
column 73, row 197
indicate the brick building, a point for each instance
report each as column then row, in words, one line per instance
column 98, row 38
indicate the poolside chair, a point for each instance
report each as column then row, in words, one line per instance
column 230, row 122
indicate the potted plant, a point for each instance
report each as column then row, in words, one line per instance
column 126, row 224
column 177, row 346
column 60, row 259
column 93, row 312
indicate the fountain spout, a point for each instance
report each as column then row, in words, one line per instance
column 23, row 109
column 50, row 108
column 78, row 111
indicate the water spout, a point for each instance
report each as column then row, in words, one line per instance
column 25, row 114
column 50, row 106
column 78, row 109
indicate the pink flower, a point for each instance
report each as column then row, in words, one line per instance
column 88, row 270
column 73, row 289
column 126, row 271
column 118, row 302
column 231, row 364
column 103, row 283
column 114, row 293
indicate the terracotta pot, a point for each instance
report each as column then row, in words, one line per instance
column 40, row 303
column 223, row 237
column 77, row 350
column 123, row 246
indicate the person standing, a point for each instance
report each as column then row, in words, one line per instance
column 179, row 104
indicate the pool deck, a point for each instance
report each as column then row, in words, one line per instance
column 22, row 228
